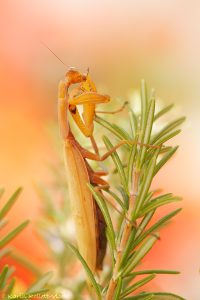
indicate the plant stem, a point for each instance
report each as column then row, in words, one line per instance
column 125, row 236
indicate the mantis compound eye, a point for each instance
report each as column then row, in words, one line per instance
column 72, row 108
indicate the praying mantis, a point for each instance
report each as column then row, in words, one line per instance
column 89, row 221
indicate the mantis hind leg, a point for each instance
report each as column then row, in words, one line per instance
column 94, row 156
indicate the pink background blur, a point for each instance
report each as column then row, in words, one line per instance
column 121, row 42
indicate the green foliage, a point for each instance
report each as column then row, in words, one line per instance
column 88, row 271
column 143, row 162
column 7, row 281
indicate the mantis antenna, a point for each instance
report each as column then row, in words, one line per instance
column 53, row 53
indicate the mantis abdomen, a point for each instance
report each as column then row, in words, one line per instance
column 89, row 221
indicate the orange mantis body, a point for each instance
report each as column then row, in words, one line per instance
column 89, row 221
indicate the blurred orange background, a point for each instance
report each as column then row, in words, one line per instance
column 121, row 42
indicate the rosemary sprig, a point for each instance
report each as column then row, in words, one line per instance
column 143, row 163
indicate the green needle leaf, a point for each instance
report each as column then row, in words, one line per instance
column 3, row 277
column 146, row 183
column 103, row 207
column 118, row 289
column 40, row 283
column 13, row 234
column 10, row 203
column 131, row 161
column 144, row 105
column 155, row 296
column 143, row 272
column 147, row 218
column 163, row 111
column 148, row 129
column 156, row 226
column 4, row 252
column 143, row 120
column 137, row 285
column 133, row 122
column 167, row 129
column 122, row 132
column 3, row 223
column 118, row 200
column 157, row 202
column 139, row 254
column 163, row 139
column 110, row 127
column 9, row 288
column 117, row 162
column 166, row 296
column 128, row 249
column 165, row 159
column 143, row 296
column 87, row 269
column 24, row 261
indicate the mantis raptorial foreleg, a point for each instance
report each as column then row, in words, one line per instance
column 89, row 100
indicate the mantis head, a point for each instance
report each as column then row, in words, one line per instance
column 73, row 76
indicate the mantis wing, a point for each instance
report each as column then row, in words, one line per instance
column 82, row 203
